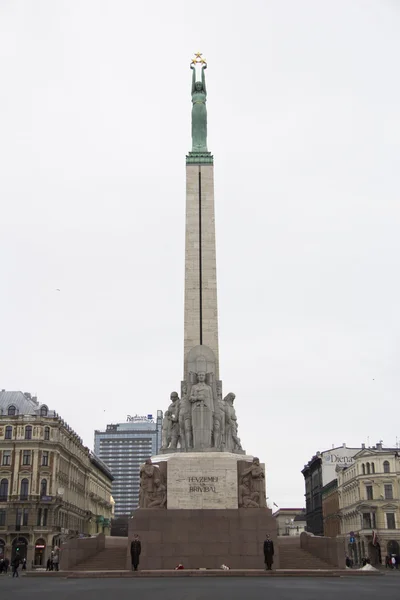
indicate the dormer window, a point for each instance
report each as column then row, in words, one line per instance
column 12, row 411
column 44, row 411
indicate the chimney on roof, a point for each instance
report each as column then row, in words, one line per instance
column 363, row 446
column 344, row 445
column 379, row 446
column 27, row 395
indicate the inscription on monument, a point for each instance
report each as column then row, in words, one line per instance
column 202, row 484
column 205, row 481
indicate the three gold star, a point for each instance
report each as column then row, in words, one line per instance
column 198, row 59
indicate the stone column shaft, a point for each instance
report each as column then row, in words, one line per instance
column 201, row 312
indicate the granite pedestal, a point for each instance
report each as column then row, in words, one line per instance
column 201, row 538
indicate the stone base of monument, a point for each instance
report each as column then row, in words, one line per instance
column 211, row 515
column 203, row 538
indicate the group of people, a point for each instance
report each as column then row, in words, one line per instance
column 15, row 564
column 53, row 560
column 4, row 565
column 392, row 562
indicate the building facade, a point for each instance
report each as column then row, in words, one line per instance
column 51, row 486
column 290, row 521
column 318, row 472
column 123, row 447
column 369, row 502
column 330, row 509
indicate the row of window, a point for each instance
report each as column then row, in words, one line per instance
column 369, row 520
column 22, row 517
column 12, row 411
column 388, row 491
column 26, row 458
column 28, row 432
column 24, row 489
column 369, row 468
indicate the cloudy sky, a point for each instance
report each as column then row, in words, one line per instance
column 303, row 111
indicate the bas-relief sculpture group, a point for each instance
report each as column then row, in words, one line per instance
column 201, row 421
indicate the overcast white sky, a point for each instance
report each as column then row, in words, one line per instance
column 303, row 110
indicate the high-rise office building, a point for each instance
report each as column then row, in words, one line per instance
column 123, row 447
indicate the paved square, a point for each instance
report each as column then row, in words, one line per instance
column 202, row 588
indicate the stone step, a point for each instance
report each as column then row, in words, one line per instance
column 109, row 559
column 292, row 557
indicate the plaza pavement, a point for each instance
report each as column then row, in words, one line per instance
column 340, row 588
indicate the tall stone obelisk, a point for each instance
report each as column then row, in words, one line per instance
column 202, row 500
column 201, row 312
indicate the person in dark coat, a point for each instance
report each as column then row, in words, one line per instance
column 15, row 565
column 268, row 553
column 136, row 548
column 6, row 565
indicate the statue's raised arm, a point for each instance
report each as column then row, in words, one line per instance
column 203, row 77
column 192, row 66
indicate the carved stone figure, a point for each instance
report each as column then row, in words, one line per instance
column 166, row 430
column 173, row 411
column 199, row 111
column 147, row 483
column 159, row 498
column 247, row 498
column 219, row 426
column 256, row 477
column 152, row 492
column 185, row 419
column 232, row 441
column 202, row 420
column 201, row 397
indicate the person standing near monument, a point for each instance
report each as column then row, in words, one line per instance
column 268, row 553
column 136, row 548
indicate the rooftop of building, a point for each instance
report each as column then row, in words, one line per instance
column 17, row 403
column 286, row 511
column 139, row 424
column 24, row 404
column 317, row 456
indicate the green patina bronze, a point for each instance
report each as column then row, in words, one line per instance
column 199, row 153
column 199, row 111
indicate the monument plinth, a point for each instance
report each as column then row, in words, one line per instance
column 202, row 499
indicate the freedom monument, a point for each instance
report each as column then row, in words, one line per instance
column 202, row 500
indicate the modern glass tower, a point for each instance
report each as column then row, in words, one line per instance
column 123, row 447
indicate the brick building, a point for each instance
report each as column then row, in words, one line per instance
column 330, row 509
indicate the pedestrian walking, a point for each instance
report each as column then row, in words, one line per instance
column 393, row 561
column 268, row 553
column 136, row 548
column 48, row 564
column 1, row 565
column 24, row 564
column 387, row 562
column 6, row 565
column 15, row 565
column 56, row 559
